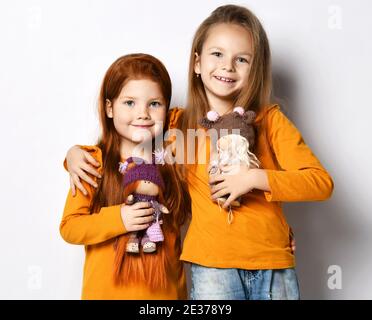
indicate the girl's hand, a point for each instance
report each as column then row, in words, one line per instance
column 293, row 245
column 292, row 240
column 236, row 181
column 78, row 163
column 137, row 216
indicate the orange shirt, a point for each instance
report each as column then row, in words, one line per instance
column 258, row 237
column 97, row 232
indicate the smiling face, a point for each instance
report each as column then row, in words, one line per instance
column 138, row 112
column 224, row 62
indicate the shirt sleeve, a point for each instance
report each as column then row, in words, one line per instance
column 81, row 226
column 301, row 176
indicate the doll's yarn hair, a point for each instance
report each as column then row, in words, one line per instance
column 149, row 269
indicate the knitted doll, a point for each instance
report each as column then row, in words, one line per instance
column 143, row 182
column 235, row 141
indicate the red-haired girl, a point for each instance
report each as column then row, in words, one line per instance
column 133, row 103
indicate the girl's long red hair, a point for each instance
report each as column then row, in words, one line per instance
column 150, row 269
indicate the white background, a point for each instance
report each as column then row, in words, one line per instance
column 53, row 57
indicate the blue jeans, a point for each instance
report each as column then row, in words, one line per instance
column 237, row 284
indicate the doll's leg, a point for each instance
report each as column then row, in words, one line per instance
column 154, row 231
column 133, row 243
column 147, row 245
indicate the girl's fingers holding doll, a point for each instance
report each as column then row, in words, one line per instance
column 216, row 178
column 230, row 199
column 144, row 220
column 219, row 194
column 217, row 187
column 144, row 212
column 234, row 169
column 141, row 205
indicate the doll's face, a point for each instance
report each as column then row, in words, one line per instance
column 224, row 143
column 232, row 148
column 147, row 187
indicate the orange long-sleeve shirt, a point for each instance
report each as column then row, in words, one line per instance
column 258, row 237
column 97, row 232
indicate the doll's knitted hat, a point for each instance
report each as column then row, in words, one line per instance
column 140, row 171
column 238, row 119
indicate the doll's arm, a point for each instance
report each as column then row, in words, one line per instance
column 163, row 209
column 130, row 199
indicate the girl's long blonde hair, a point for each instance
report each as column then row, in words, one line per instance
column 257, row 92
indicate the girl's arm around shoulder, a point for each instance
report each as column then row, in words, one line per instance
column 81, row 226
column 301, row 176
